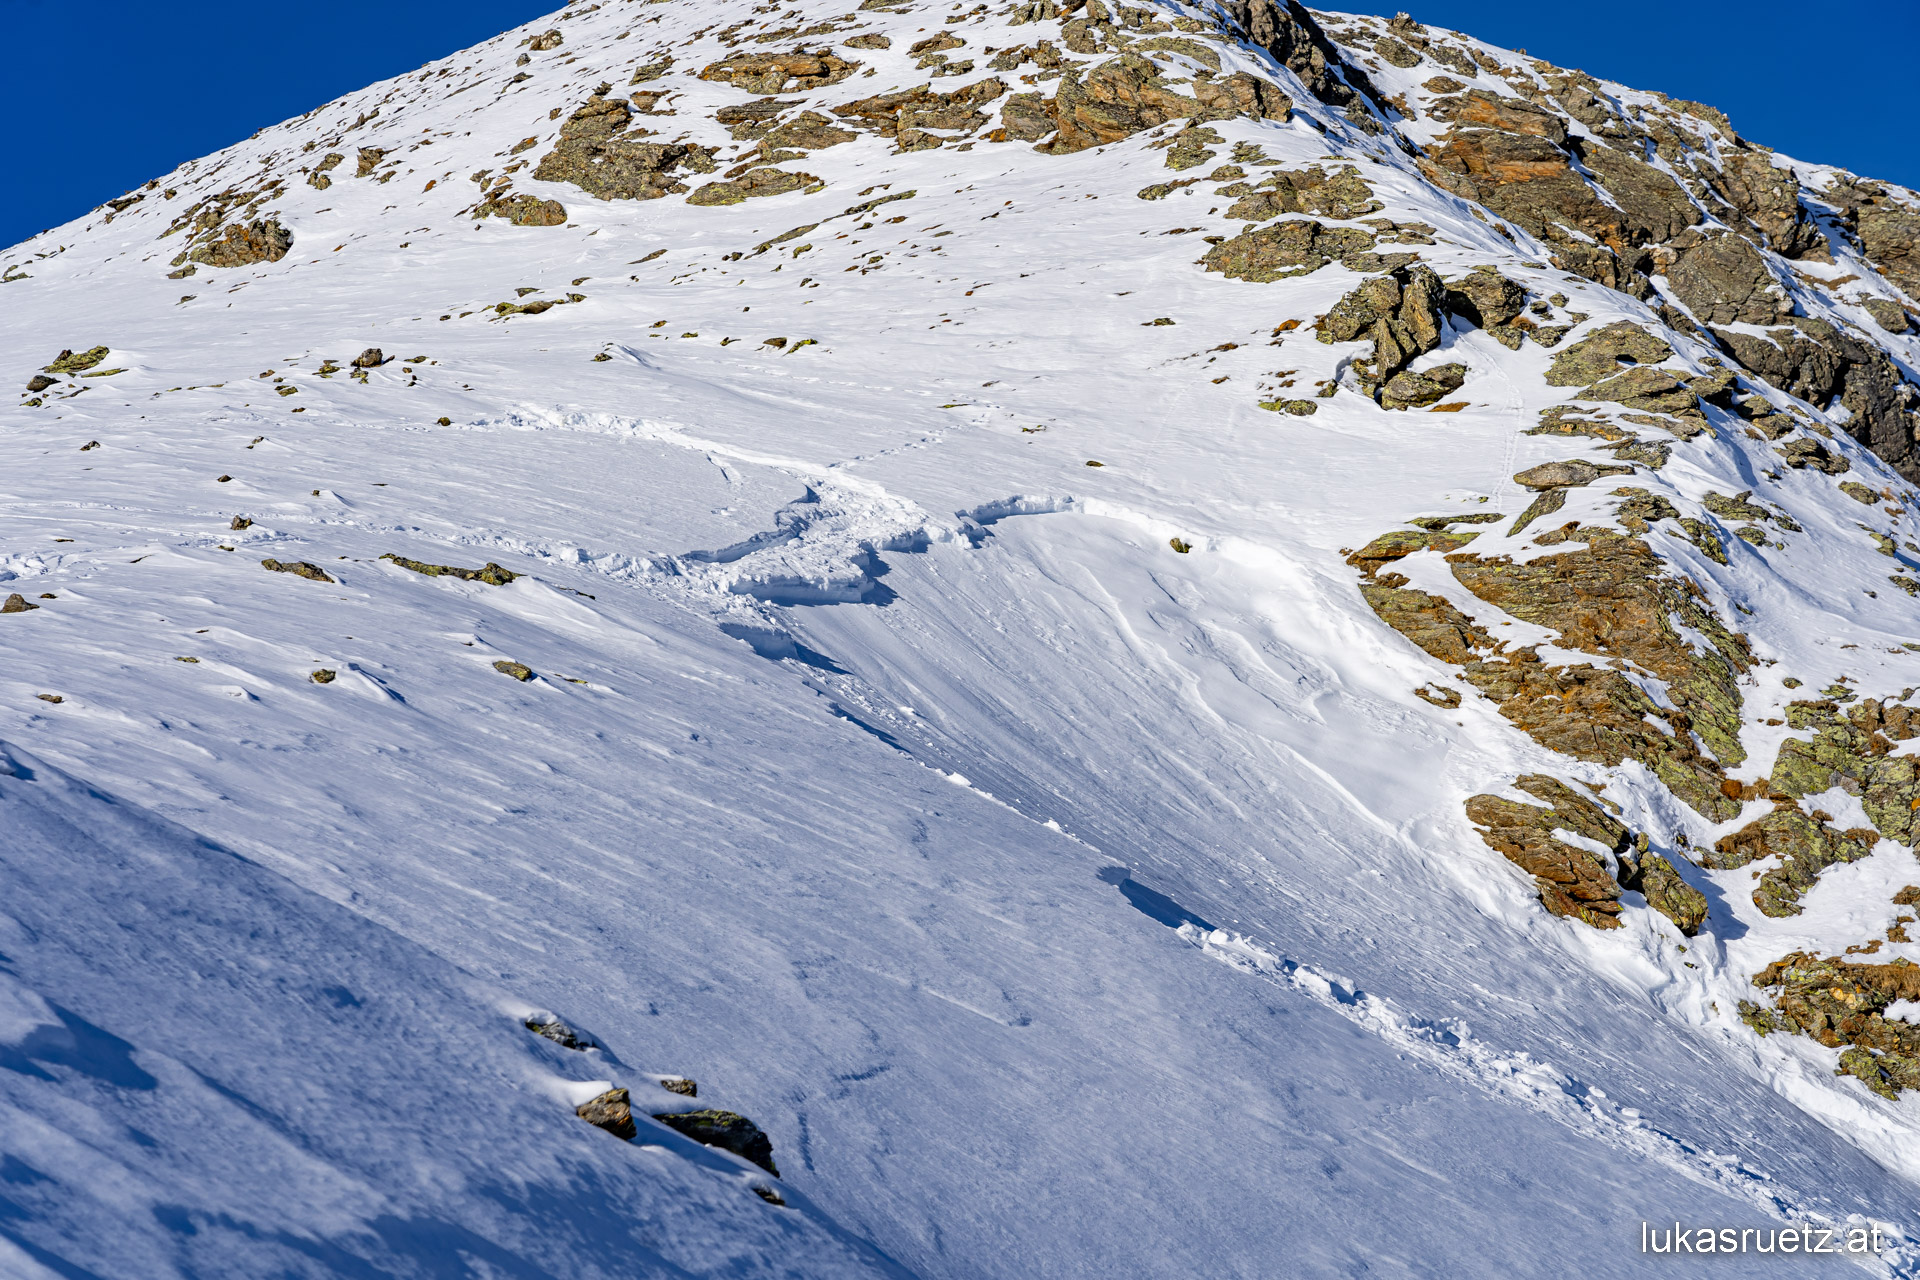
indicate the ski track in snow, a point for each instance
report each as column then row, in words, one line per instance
column 904, row 959
column 1451, row 1047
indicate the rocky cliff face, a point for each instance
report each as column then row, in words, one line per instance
column 1291, row 442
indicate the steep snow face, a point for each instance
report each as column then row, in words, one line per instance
column 931, row 695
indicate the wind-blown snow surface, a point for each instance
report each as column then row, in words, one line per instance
column 1061, row 905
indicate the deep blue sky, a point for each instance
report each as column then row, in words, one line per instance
column 101, row 105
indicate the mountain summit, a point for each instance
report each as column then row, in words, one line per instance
column 1024, row 640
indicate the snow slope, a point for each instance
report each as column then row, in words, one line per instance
column 1060, row 903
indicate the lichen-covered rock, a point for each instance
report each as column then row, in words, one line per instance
column 1604, row 352
column 262, row 240
column 1486, row 298
column 1529, row 179
column 921, row 109
column 518, row 670
column 1401, row 543
column 808, row 131
column 770, row 73
column 765, row 181
column 1544, row 505
column 1285, row 29
column 367, row 160
column 612, row 1111
column 1843, row 1006
column 1596, row 714
column 1281, row 250
column 492, row 574
column 1409, row 390
column 300, row 568
column 1852, row 748
column 1244, row 95
column 726, row 1130
column 318, row 178
column 1342, row 194
column 1643, row 387
column 1805, row 844
column 523, row 211
column 1724, row 280
column 1402, row 312
column 1810, row 453
column 1769, row 196
column 1653, row 207
column 1114, row 100
column 1612, row 599
column 1480, row 108
column 1570, row 474
column 1887, row 227
column 1572, row 881
column 1025, row 118
column 596, row 154
column 1888, row 314
column 68, row 362
column 560, row 1033
column 1665, row 889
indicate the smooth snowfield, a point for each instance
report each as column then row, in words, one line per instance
column 1061, row 904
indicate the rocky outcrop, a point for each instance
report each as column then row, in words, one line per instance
column 596, row 153
column 1403, row 313
column 1806, row 845
column 770, row 73
column 1886, row 227
column 262, row 240
column 1888, row 314
column 1821, row 364
column 908, row 115
column 1488, row 300
column 1287, row 31
column 1769, row 198
column 764, row 181
column 1604, row 352
column 612, row 1111
column 1413, row 389
column 491, row 574
column 1852, row 748
column 70, row 362
column 1653, row 877
column 1115, row 99
column 1574, row 881
column 318, row 178
column 1724, row 280
column 1613, row 599
column 1342, row 194
column 523, row 211
column 1283, row 250
column 726, row 1130
column 1513, row 164
column 1843, row 1006
column 299, row 568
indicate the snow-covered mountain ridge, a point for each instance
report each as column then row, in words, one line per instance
column 982, row 510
